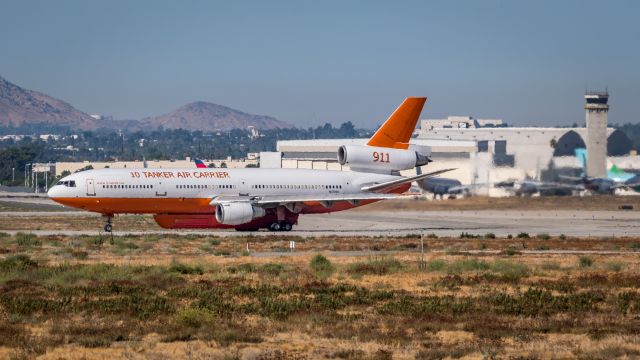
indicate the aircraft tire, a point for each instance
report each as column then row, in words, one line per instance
column 274, row 226
column 286, row 226
column 108, row 228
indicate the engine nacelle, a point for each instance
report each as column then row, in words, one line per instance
column 379, row 159
column 237, row 213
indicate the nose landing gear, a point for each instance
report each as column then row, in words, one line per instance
column 108, row 227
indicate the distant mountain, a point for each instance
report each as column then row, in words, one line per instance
column 207, row 116
column 20, row 106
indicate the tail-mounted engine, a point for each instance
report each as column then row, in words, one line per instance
column 379, row 159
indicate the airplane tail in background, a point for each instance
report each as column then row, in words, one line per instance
column 616, row 170
column 581, row 154
column 614, row 173
column 397, row 130
column 199, row 163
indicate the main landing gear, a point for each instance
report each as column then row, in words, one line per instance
column 280, row 226
column 108, row 227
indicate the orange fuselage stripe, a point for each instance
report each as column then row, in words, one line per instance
column 139, row 205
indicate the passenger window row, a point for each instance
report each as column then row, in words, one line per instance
column 201, row 186
column 297, row 187
column 127, row 186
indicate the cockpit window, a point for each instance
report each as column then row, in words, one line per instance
column 69, row 183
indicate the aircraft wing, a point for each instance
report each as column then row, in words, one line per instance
column 555, row 185
column 626, row 185
column 393, row 183
column 276, row 200
column 572, row 178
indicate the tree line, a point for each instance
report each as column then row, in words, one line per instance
column 158, row 144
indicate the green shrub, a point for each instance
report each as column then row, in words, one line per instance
column 563, row 237
column 273, row 269
column 213, row 241
column 510, row 250
column 523, row 235
column 27, row 240
column 243, row 268
column 321, row 266
column 381, row 266
column 489, row 236
column 432, row 236
column 436, row 265
column 17, row 263
column 543, row 236
column 615, row 266
column 634, row 245
column 469, row 264
column 585, row 261
column 509, row 236
column 194, row 317
column 4, row 235
column 510, row 270
column 186, row 269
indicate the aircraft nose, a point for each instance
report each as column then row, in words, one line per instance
column 55, row 191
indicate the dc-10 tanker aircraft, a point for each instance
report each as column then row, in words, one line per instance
column 253, row 199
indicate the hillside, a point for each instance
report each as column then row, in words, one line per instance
column 20, row 106
column 207, row 116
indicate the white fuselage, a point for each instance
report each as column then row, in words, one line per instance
column 210, row 182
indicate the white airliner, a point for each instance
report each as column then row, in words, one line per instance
column 252, row 199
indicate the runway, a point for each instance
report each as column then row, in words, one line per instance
column 399, row 223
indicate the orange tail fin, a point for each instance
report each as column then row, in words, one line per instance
column 397, row 130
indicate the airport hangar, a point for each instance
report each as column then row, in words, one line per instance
column 481, row 151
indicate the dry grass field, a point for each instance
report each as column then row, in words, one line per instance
column 202, row 297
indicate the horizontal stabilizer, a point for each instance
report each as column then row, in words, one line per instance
column 395, row 183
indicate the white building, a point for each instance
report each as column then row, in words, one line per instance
column 480, row 155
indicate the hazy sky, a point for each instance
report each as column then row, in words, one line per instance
column 310, row 62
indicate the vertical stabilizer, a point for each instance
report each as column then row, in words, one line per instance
column 397, row 130
column 581, row 154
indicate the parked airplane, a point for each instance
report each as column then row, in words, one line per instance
column 251, row 199
column 616, row 178
column 531, row 187
column 443, row 186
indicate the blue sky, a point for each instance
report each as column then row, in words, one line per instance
column 310, row 62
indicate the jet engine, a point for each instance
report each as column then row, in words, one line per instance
column 379, row 159
column 237, row 213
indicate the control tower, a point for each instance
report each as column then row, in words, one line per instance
column 597, row 110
